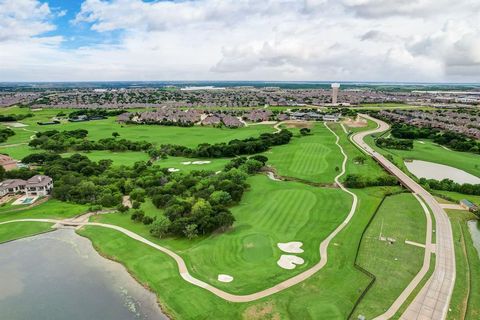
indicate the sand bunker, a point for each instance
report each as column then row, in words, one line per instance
column 201, row 162
column 225, row 278
column 291, row 247
column 289, row 262
column 173, row 170
column 195, row 162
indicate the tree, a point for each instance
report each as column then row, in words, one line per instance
column 191, row 231
column 220, row 198
column 359, row 159
column 305, row 131
column 160, row 228
column 115, row 134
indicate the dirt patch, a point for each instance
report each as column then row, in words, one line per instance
column 357, row 123
column 298, row 124
column 261, row 311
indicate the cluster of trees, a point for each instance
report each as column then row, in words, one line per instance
column 14, row 117
column 5, row 134
column 95, row 113
column 361, row 181
column 197, row 203
column 449, row 185
column 405, row 131
column 230, row 149
column 76, row 140
column 392, row 143
column 194, row 203
column 453, row 140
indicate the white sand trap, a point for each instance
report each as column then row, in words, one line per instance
column 271, row 176
column 187, row 163
column 201, row 162
column 291, row 247
column 289, row 262
column 422, row 142
column 225, row 278
column 173, row 170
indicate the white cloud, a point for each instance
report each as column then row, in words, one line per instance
column 247, row 39
column 22, row 19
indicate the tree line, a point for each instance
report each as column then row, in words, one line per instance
column 392, row 143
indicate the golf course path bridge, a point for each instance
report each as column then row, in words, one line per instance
column 433, row 300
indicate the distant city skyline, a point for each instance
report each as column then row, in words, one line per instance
column 431, row 41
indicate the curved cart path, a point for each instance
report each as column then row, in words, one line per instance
column 182, row 268
column 434, row 298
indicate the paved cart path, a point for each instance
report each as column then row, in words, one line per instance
column 183, row 270
column 434, row 298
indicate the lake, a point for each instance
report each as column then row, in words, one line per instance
column 474, row 227
column 58, row 275
column 431, row 170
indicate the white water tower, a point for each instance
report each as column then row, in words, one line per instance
column 335, row 89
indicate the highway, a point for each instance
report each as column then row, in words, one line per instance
column 433, row 300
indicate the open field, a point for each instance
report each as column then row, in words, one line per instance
column 465, row 302
column 313, row 157
column 394, row 265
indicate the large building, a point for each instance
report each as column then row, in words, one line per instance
column 335, row 89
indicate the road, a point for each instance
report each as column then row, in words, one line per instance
column 433, row 300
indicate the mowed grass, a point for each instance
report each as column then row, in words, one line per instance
column 465, row 303
column 394, row 265
column 269, row 213
column 370, row 168
column 52, row 209
column 118, row 158
column 328, row 294
column 313, row 157
column 17, row 230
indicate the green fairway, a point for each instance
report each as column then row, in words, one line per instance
column 183, row 165
column 13, row 231
column 330, row 293
column 270, row 212
column 118, row 158
column 313, row 157
column 52, row 209
column 394, row 265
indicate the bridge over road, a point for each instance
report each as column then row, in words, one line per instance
column 433, row 300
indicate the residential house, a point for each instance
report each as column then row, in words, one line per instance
column 12, row 186
column 39, row 185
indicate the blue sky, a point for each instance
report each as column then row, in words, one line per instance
column 344, row 40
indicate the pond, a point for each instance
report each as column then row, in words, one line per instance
column 58, row 275
column 474, row 227
column 431, row 170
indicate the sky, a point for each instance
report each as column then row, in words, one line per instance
column 275, row 40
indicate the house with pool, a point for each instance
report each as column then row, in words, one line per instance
column 37, row 186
